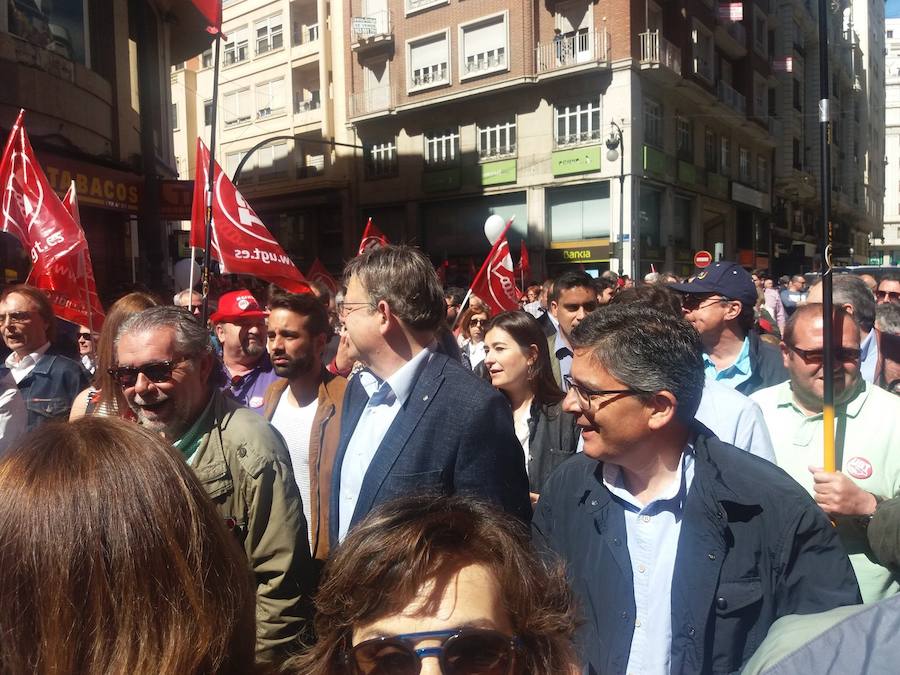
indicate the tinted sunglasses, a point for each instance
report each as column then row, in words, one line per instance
column 85, row 336
column 479, row 322
column 893, row 296
column 692, row 302
column 466, row 651
column 156, row 372
column 818, row 356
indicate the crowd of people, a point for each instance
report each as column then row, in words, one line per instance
column 394, row 479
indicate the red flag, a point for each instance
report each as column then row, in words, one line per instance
column 524, row 268
column 33, row 212
column 240, row 241
column 372, row 238
column 496, row 283
column 211, row 11
column 317, row 272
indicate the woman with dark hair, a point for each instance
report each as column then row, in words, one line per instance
column 104, row 397
column 114, row 560
column 518, row 362
column 448, row 579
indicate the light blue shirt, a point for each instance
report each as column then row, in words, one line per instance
column 735, row 419
column 735, row 374
column 386, row 398
column 652, row 532
column 868, row 357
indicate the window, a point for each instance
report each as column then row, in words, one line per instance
column 381, row 159
column 417, row 5
column 684, row 132
column 236, row 50
column 207, row 113
column 744, row 165
column 762, row 172
column 483, row 47
column 441, row 148
column 232, row 159
column 429, row 62
column 268, row 34
column 760, row 32
column 177, row 66
column 237, row 106
column 206, row 58
column 702, row 51
column 272, row 160
column 890, row 33
column 497, row 140
column 653, row 123
column 711, row 151
column 798, row 159
column 725, row 155
column 269, row 98
column 681, row 222
column 577, row 122
column 174, row 116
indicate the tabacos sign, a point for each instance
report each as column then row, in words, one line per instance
column 96, row 185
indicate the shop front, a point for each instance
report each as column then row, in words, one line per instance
column 754, row 226
column 578, row 222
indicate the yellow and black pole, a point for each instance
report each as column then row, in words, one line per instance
column 825, row 242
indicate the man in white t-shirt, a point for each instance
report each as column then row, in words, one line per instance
column 304, row 404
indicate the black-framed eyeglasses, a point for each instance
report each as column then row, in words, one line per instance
column 893, row 296
column 586, row 396
column 467, row 651
column 16, row 317
column 693, row 302
column 157, row 372
column 842, row 354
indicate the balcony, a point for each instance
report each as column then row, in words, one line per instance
column 371, row 101
column 371, row 31
column 659, row 56
column 587, row 48
column 307, row 111
column 731, row 36
column 732, row 98
column 305, row 41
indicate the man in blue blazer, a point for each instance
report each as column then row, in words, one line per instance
column 414, row 420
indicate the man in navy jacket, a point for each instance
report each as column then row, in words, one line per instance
column 681, row 549
column 414, row 420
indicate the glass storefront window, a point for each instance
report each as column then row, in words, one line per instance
column 649, row 217
column 579, row 212
column 456, row 227
column 57, row 27
column 681, row 223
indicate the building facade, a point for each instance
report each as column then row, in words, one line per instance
column 93, row 79
column 886, row 248
column 280, row 107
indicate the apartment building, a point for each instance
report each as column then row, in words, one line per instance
column 885, row 249
column 281, row 104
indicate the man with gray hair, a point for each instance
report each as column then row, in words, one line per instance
column 851, row 293
column 414, row 420
column 887, row 321
column 168, row 372
column 687, row 548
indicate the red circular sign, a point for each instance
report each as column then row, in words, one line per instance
column 702, row 258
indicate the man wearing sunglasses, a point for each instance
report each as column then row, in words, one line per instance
column 719, row 302
column 683, row 550
column 47, row 381
column 169, row 375
column 867, row 436
column 87, row 348
column 888, row 291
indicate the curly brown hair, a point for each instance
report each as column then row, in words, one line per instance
column 387, row 558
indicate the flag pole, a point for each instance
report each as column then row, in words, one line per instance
column 826, row 243
column 478, row 276
column 87, row 292
column 204, row 274
column 191, row 278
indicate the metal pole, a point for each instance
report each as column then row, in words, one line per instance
column 826, row 243
column 204, row 276
column 621, row 197
column 240, row 167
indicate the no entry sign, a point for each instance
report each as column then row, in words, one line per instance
column 702, row 258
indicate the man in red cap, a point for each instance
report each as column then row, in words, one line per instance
column 240, row 325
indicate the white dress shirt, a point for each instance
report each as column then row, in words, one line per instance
column 20, row 368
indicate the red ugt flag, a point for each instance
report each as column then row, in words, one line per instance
column 495, row 283
column 34, row 214
column 317, row 272
column 212, row 12
column 524, row 268
column 372, row 238
column 240, row 241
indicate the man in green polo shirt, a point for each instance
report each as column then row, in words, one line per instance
column 867, row 436
column 167, row 371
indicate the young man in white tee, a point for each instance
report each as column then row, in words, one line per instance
column 304, row 404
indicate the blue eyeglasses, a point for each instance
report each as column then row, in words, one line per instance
column 467, row 651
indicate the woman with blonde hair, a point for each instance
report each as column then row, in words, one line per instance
column 114, row 561
column 104, row 397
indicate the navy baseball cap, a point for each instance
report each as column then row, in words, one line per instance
column 723, row 278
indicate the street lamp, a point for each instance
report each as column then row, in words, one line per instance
column 616, row 150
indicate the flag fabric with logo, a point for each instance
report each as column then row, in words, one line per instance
column 495, row 283
column 318, row 272
column 32, row 212
column 372, row 238
column 240, row 241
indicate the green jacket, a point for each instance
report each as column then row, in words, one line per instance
column 245, row 468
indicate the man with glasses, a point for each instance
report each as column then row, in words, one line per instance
column 888, row 291
column 867, row 436
column 47, row 382
column 683, row 549
column 169, row 375
column 719, row 302
column 189, row 300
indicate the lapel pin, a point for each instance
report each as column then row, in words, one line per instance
column 425, row 398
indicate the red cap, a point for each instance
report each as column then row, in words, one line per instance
column 237, row 305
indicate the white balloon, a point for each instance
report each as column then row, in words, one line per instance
column 493, row 228
column 182, row 273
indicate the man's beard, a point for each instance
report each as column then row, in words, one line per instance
column 172, row 429
column 254, row 349
column 300, row 365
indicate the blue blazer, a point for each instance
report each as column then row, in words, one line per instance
column 453, row 435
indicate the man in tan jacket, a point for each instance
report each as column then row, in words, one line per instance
column 167, row 371
column 304, row 404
